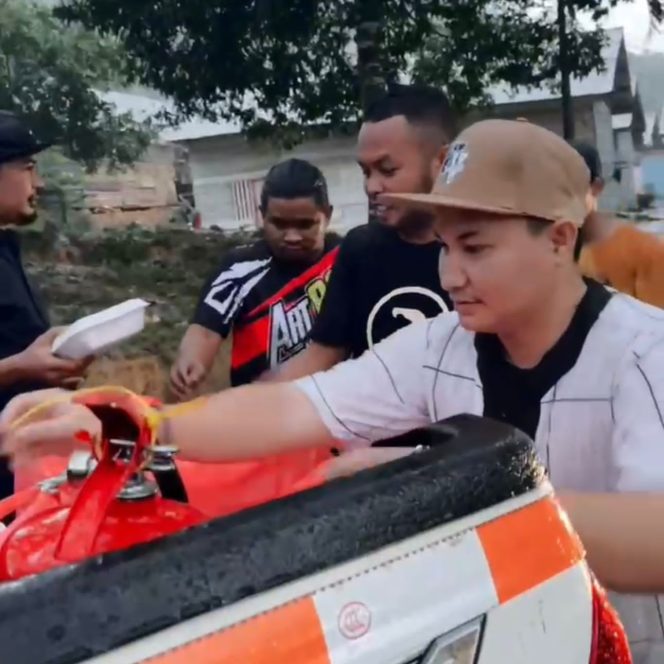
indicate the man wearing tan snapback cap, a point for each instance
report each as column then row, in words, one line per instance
column 577, row 367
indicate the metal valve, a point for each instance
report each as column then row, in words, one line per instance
column 159, row 460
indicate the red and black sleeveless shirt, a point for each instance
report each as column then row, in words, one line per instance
column 268, row 305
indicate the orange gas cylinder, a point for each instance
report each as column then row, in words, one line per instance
column 99, row 505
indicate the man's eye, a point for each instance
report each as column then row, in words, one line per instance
column 475, row 248
column 388, row 172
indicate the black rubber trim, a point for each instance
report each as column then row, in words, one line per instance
column 171, row 485
column 74, row 613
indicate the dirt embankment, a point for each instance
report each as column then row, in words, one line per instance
column 89, row 271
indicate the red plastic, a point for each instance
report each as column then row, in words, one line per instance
column 610, row 644
column 81, row 519
column 219, row 489
column 64, row 524
column 31, row 547
column 225, row 488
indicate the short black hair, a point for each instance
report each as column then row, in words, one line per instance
column 591, row 156
column 420, row 105
column 295, row 178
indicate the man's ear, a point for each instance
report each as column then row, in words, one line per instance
column 562, row 235
column 597, row 187
column 437, row 162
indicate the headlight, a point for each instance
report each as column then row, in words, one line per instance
column 460, row 646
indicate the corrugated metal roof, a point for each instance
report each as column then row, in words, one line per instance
column 597, row 83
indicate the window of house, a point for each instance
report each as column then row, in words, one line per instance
column 246, row 200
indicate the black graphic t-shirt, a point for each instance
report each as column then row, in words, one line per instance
column 269, row 305
column 379, row 284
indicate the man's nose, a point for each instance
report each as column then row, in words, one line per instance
column 373, row 185
column 292, row 236
column 38, row 183
column 452, row 275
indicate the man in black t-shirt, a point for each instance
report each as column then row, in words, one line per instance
column 267, row 294
column 386, row 275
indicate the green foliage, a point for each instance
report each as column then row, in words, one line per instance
column 479, row 47
column 50, row 74
column 293, row 64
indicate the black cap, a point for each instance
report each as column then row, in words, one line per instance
column 16, row 140
column 591, row 156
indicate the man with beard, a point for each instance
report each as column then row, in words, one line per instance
column 386, row 274
column 26, row 360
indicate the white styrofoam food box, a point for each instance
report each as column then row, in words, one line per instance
column 100, row 331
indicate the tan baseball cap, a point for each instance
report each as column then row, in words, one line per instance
column 510, row 168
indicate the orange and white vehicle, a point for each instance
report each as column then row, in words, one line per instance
column 457, row 554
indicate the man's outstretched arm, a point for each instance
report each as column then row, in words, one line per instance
column 357, row 401
column 247, row 422
column 314, row 358
column 242, row 423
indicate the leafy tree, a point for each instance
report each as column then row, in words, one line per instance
column 50, row 73
column 294, row 64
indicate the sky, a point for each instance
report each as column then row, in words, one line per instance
column 633, row 18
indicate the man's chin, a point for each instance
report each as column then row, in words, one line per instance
column 25, row 219
column 476, row 323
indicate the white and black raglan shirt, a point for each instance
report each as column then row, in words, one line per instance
column 594, row 406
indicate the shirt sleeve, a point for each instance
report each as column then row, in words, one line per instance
column 380, row 395
column 222, row 296
column 638, row 435
column 333, row 325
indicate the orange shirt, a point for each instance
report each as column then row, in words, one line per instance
column 630, row 260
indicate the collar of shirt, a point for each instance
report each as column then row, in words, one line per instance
column 513, row 394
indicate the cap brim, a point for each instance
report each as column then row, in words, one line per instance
column 34, row 150
column 433, row 201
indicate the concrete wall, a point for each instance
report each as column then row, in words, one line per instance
column 228, row 172
column 616, row 150
column 652, row 173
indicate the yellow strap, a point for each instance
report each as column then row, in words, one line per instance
column 154, row 417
